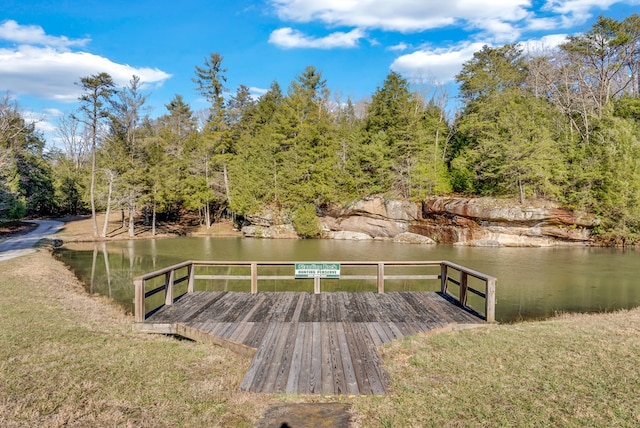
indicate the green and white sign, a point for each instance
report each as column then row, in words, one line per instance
column 317, row 270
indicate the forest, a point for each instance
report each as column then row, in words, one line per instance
column 559, row 124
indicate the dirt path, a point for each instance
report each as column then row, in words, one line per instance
column 20, row 245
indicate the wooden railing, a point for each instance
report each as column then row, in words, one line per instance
column 450, row 273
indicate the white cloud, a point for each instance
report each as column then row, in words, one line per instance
column 441, row 64
column 256, row 93
column 290, row 38
column 53, row 112
column 577, row 12
column 401, row 15
column 544, row 24
column 11, row 31
column 50, row 73
column 577, row 7
column 399, row 47
column 500, row 31
column 48, row 67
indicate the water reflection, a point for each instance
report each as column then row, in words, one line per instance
column 532, row 282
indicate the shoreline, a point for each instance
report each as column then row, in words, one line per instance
column 78, row 229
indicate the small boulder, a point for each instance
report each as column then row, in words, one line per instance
column 348, row 235
column 282, row 231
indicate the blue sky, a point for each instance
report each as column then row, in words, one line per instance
column 46, row 46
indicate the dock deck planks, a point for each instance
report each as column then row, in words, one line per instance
column 309, row 343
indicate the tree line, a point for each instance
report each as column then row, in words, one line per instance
column 560, row 124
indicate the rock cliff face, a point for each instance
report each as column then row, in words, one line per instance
column 491, row 222
column 460, row 221
column 375, row 217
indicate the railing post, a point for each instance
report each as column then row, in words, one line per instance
column 168, row 300
column 254, row 278
column 443, row 278
column 316, row 285
column 463, row 288
column 138, row 302
column 380, row 277
column 490, row 301
column 191, row 271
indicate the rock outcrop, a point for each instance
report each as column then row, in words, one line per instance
column 278, row 231
column 491, row 222
column 460, row 221
column 374, row 216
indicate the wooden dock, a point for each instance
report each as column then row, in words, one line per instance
column 310, row 342
column 307, row 343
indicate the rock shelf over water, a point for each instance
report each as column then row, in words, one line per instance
column 453, row 220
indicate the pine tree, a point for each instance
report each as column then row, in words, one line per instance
column 97, row 91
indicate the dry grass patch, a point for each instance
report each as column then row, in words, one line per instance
column 575, row 371
column 69, row 360
column 80, row 229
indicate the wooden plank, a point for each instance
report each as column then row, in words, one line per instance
column 281, row 308
column 404, row 311
column 257, row 334
column 277, row 363
column 378, row 379
column 385, row 334
column 326, row 308
column 357, row 362
column 286, row 358
column 256, row 374
column 341, row 302
column 262, row 311
column 271, row 314
column 313, row 309
column 416, row 310
column 377, row 331
column 229, row 330
column 295, row 317
column 242, row 305
column 384, row 309
column 238, row 306
column 256, row 304
column 350, row 378
column 215, row 327
column 218, row 310
column 361, row 309
column 326, row 374
column 304, row 379
column 296, row 366
column 337, row 369
column 315, row 372
column 392, row 334
column 374, row 308
column 205, row 301
column 433, row 308
column 241, row 332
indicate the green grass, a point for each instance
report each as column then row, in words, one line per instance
column 70, row 360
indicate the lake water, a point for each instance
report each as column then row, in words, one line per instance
column 533, row 283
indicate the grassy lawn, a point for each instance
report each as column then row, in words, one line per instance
column 68, row 359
